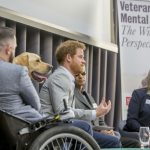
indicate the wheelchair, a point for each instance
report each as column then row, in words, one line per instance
column 50, row 133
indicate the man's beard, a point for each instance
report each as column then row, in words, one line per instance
column 76, row 69
column 11, row 57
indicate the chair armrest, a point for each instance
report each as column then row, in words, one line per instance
column 99, row 128
column 134, row 135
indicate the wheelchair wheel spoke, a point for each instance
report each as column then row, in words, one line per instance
column 59, row 144
column 75, row 145
column 72, row 140
column 47, row 147
column 65, row 143
column 64, row 140
column 80, row 146
column 70, row 144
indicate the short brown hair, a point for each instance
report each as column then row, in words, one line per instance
column 67, row 47
column 6, row 33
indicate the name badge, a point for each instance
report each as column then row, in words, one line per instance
column 94, row 105
column 147, row 101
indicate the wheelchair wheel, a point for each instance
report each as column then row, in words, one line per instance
column 64, row 137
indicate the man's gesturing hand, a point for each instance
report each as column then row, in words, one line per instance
column 103, row 108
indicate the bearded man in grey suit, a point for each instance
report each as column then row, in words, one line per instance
column 60, row 85
column 17, row 93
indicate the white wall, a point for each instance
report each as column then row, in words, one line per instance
column 90, row 17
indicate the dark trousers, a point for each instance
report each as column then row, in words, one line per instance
column 106, row 141
column 130, row 142
column 83, row 125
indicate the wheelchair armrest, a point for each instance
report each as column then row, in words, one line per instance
column 39, row 124
column 99, row 128
column 124, row 133
column 134, row 135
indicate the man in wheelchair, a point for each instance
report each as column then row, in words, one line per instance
column 61, row 83
column 21, row 122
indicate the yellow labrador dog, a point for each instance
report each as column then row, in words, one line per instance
column 38, row 70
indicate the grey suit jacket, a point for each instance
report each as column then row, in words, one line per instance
column 87, row 102
column 59, row 86
column 17, row 93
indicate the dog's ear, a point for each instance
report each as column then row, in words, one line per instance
column 30, row 57
column 22, row 59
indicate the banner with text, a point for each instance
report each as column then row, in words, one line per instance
column 134, row 40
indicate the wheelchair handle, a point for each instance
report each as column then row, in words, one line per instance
column 65, row 105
